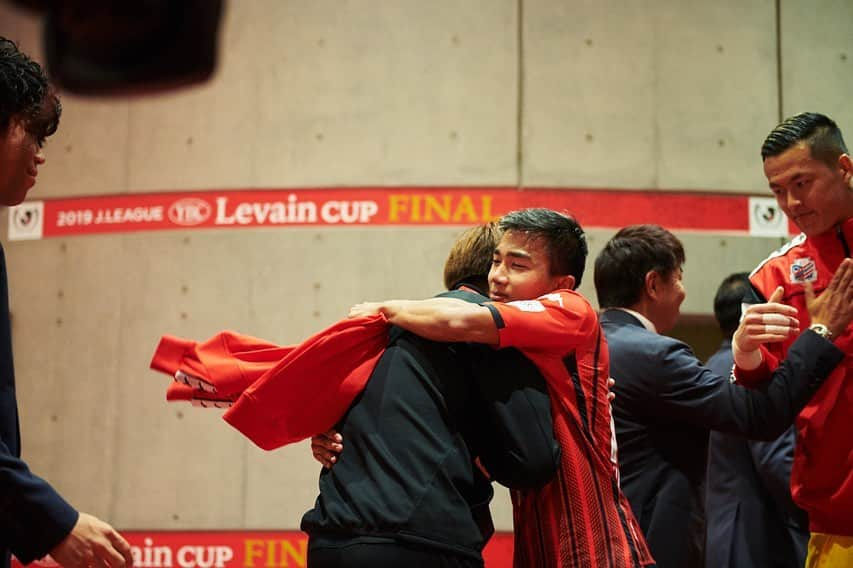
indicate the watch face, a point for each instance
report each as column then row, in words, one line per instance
column 821, row 330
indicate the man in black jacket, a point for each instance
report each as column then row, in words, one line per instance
column 34, row 519
column 407, row 491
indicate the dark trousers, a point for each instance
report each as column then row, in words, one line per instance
column 386, row 555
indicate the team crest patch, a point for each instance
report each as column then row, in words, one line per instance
column 528, row 305
column 803, row 270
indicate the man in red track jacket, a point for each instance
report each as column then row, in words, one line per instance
column 811, row 175
column 581, row 517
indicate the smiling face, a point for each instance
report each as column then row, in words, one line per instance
column 20, row 157
column 521, row 269
column 812, row 194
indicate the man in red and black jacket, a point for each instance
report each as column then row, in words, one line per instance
column 811, row 175
column 406, row 489
column 580, row 518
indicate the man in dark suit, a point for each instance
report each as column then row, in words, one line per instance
column 752, row 518
column 34, row 519
column 667, row 401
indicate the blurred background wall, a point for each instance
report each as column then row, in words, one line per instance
column 607, row 94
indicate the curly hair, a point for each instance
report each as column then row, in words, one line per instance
column 25, row 93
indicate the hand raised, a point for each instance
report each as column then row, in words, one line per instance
column 766, row 323
column 834, row 307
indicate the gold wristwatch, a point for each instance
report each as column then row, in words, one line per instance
column 821, row 330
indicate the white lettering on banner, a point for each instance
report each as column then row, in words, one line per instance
column 189, row 211
column 294, row 212
column 274, row 213
column 348, row 211
column 74, row 218
column 115, row 216
column 121, row 215
column 204, row 556
column 150, row 556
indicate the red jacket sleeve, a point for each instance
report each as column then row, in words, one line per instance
column 552, row 323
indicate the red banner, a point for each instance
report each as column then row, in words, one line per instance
column 243, row 549
column 386, row 206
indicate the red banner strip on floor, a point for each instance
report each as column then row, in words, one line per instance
column 243, row 549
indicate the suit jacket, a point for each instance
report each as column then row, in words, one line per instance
column 33, row 517
column 752, row 518
column 667, row 401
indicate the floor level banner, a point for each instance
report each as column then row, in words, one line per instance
column 243, row 549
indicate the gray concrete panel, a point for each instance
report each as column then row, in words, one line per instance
column 817, row 60
column 88, row 154
column 620, row 95
column 66, row 322
column 405, row 92
column 179, row 467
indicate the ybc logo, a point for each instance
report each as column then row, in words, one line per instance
column 766, row 218
column 803, row 270
column 26, row 221
column 189, row 211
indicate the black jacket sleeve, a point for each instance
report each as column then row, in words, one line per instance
column 510, row 427
column 514, row 432
column 697, row 395
column 34, row 518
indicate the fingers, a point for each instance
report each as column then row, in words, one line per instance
column 777, row 295
column 770, row 308
column 121, row 546
column 808, row 290
column 767, row 322
column 325, row 457
column 844, row 275
column 326, row 446
column 108, row 557
column 364, row 309
column 834, row 307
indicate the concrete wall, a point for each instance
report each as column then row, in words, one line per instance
column 546, row 93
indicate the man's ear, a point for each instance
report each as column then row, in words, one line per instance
column 845, row 164
column 566, row 282
column 652, row 283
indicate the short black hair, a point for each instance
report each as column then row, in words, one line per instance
column 633, row 252
column 565, row 241
column 26, row 93
column 817, row 131
column 728, row 300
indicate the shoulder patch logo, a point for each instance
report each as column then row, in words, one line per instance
column 528, row 305
column 803, row 270
column 556, row 298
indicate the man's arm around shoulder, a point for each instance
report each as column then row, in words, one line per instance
column 437, row 319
